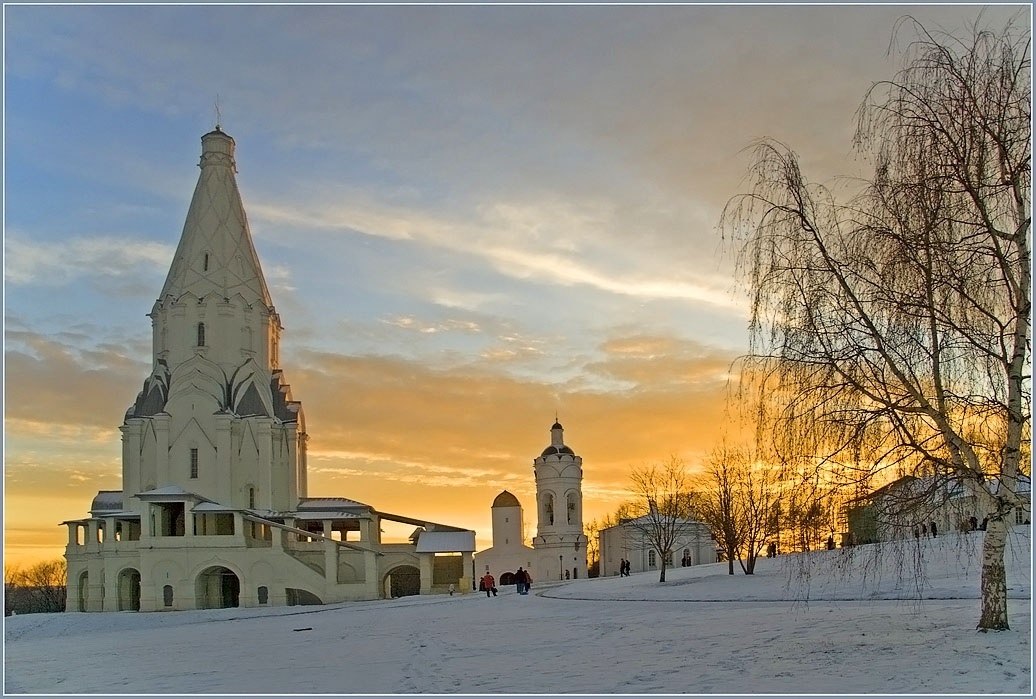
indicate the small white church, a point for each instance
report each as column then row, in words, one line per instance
column 214, row 509
column 558, row 550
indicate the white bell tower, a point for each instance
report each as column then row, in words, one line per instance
column 559, row 542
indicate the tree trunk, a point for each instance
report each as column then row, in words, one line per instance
column 994, row 580
column 661, row 572
column 730, row 562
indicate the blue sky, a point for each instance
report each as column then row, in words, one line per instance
column 469, row 218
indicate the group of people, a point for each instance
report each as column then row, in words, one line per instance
column 925, row 529
column 624, row 568
column 522, row 582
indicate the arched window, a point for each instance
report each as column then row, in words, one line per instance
column 264, row 594
column 167, row 595
column 571, row 508
column 201, row 334
column 548, row 508
column 651, row 559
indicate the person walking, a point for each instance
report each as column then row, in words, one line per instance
column 519, row 581
column 489, row 583
column 931, row 527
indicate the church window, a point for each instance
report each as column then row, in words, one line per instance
column 167, row 595
column 571, row 508
column 205, row 263
column 251, row 498
column 194, row 462
column 201, row 334
column 651, row 558
column 264, row 594
column 548, row 508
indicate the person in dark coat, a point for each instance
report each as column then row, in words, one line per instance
column 931, row 527
column 519, row 581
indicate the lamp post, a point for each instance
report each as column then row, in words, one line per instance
column 561, row 566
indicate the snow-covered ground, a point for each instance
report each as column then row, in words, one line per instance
column 825, row 622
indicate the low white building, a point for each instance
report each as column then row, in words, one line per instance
column 627, row 540
column 214, row 508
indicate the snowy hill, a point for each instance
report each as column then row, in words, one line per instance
column 844, row 621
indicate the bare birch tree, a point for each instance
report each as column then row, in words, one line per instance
column 898, row 322
column 739, row 497
column 662, row 492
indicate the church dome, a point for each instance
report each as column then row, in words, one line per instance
column 557, row 450
column 506, row 499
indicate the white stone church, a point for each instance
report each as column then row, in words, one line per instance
column 214, row 508
column 558, row 550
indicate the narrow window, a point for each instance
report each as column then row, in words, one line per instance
column 167, row 595
column 205, row 263
column 651, row 558
column 1018, row 512
column 251, row 498
column 571, row 508
column 194, row 462
column 201, row 334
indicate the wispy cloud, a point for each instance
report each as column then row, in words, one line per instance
column 59, row 263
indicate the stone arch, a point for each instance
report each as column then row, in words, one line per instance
column 403, row 581
column 296, row 596
column 548, row 508
column 217, row 587
column 572, row 507
column 128, row 586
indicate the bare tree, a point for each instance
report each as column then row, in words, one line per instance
column 662, row 492
column 592, row 530
column 38, row 588
column 740, row 497
column 898, row 322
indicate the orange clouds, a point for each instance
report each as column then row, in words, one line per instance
column 399, row 434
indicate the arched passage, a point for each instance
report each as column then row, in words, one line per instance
column 217, row 588
column 83, row 591
column 404, row 581
column 129, row 590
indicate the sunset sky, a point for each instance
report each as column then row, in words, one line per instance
column 470, row 219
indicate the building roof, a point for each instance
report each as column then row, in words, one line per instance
column 557, row 450
column 446, row 542
column 216, row 254
column 330, row 504
column 506, row 499
column 106, row 501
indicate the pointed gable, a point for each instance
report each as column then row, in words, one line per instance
column 216, row 254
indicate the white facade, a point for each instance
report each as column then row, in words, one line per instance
column 558, row 549
column 508, row 552
column 214, row 509
column 627, row 540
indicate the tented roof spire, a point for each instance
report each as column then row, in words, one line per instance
column 215, row 253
